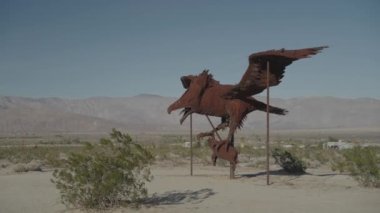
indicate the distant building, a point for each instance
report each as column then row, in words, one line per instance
column 338, row 145
column 186, row 144
column 287, row 146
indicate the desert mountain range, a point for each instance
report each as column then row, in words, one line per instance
column 147, row 113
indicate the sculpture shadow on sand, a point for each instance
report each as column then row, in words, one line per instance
column 176, row 197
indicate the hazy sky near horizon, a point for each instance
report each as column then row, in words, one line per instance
column 83, row 48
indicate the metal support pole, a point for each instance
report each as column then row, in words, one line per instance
column 232, row 168
column 191, row 144
column 267, row 139
column 213, row 127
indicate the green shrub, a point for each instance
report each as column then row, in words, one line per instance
column 110, row 174
column 33, row 165
column 288, row 161
column 49, row 156
column 362, row 164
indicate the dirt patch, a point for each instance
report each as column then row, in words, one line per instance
column 210, row 190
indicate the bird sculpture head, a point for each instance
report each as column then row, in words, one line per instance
column 195, row 86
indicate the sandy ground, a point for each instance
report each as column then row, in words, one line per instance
column 210, row 190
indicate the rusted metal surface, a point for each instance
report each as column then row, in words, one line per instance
column 232, row 164
column 232, row 103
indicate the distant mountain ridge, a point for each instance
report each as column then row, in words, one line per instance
column 147, row 113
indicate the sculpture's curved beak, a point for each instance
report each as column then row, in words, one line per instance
column 176, row 105
column 184, row 101
column 186, row 112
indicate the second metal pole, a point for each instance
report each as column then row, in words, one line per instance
column 267, row 141
column 191, row 144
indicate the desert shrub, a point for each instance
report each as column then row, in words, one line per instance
column 110, row 174
column 318, row 154
column 362, row 164
column 289, row 162
column 20, row 167
column 49, row 156
column 33, row 165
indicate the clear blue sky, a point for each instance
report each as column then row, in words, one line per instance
column 78, row 49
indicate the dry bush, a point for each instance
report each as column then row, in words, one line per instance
column 362, row 164
column 20, row 167
column 107, row 175
column 49, row 156
column 33, row 165
column 288, row 161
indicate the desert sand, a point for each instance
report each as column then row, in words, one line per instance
column 210, row 190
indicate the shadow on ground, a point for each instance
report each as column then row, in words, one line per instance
column 279, row 172
column 287, row 176
column 175, row 197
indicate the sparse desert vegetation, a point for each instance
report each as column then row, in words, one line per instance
column 168, row 151
column 288, row 161
column 105, row 175
column 362, row 163
column 25, row 155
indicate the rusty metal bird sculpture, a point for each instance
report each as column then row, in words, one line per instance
column 232, row 103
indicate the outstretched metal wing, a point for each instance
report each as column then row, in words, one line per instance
column 255, row 78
